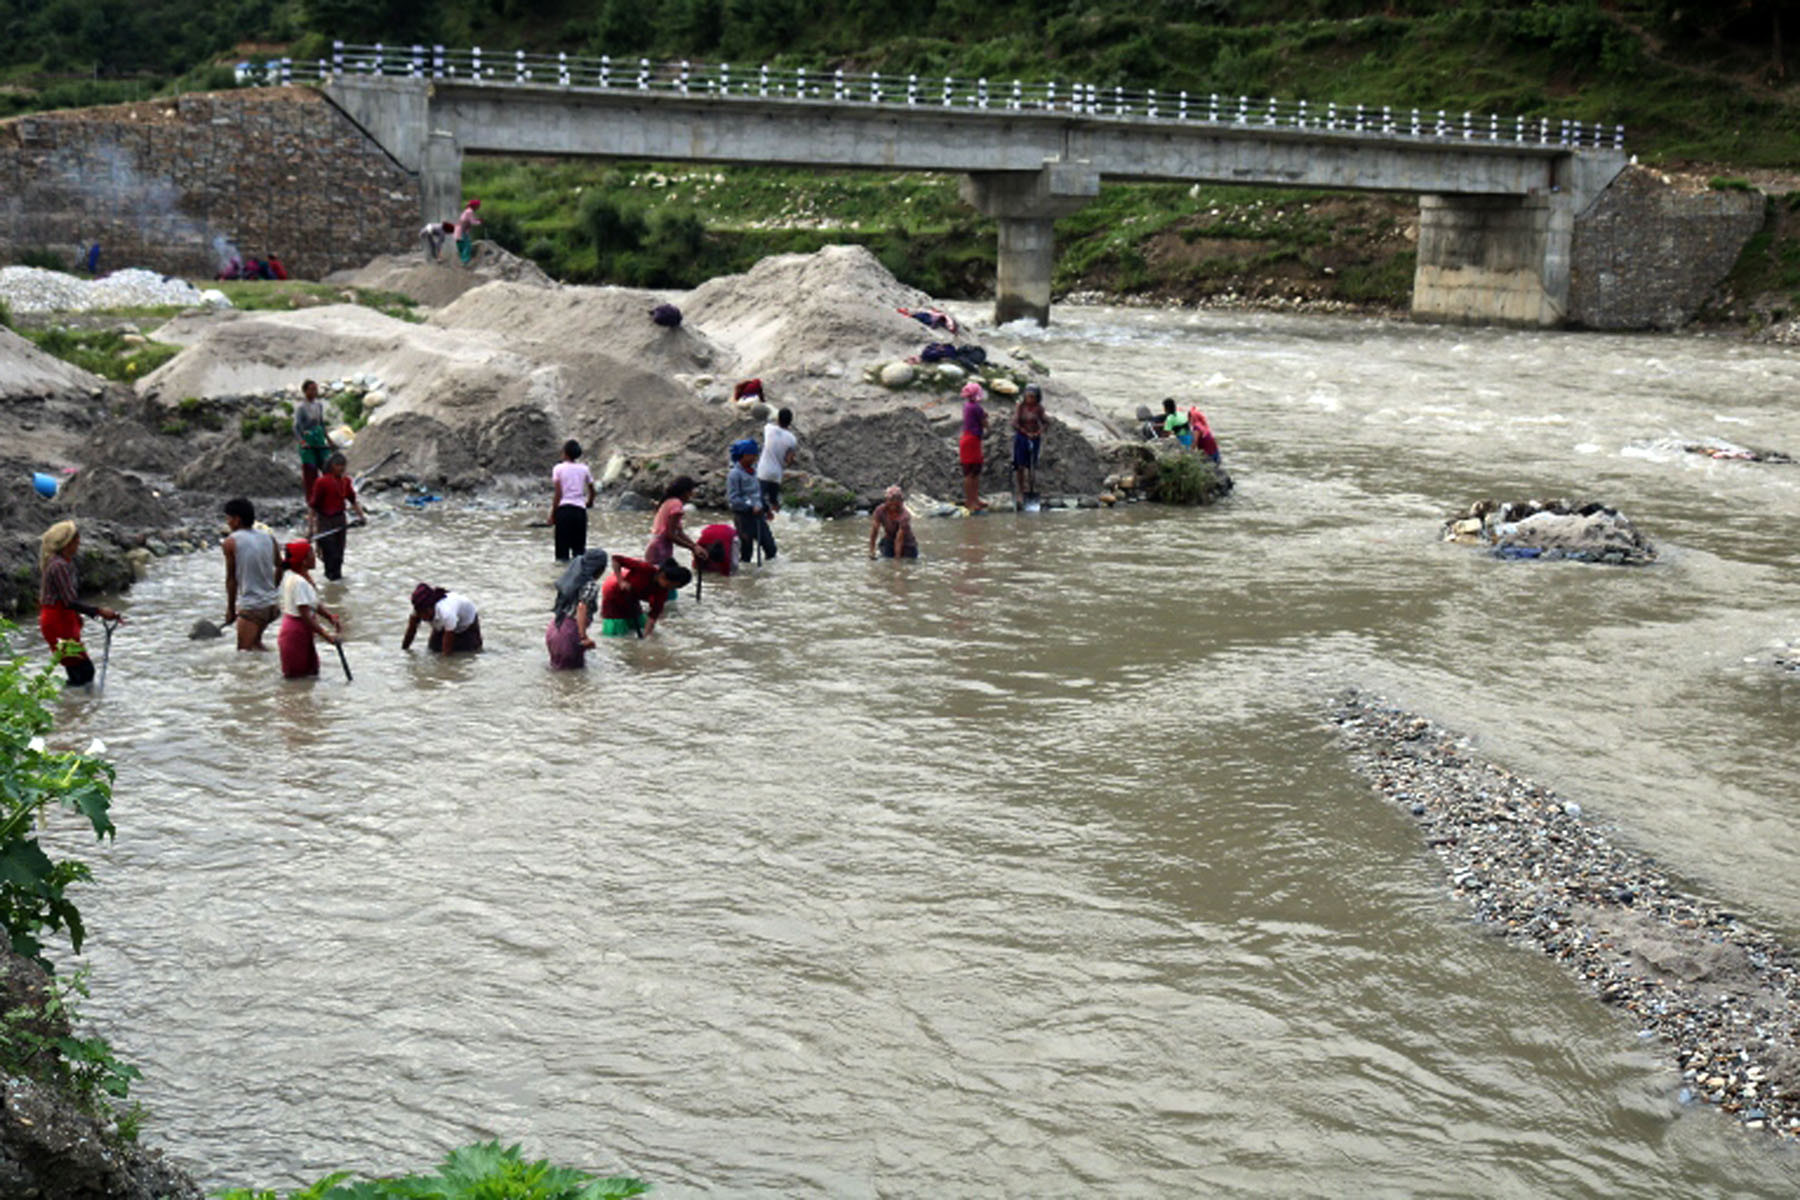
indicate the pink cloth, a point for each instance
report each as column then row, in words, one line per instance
column 299, row 657
column 466, row 222
column 663, row 530
column 571, row 479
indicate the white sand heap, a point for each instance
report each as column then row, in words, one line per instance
column 437, row 283
column 35, row 290
column 495, row 380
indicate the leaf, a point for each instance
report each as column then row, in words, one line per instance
column 24, row 864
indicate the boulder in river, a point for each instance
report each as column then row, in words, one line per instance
column 1587, row 532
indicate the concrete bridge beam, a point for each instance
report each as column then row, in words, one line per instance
column 1026, row 205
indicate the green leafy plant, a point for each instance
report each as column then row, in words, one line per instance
column 484, row 1171
column 355, row 412
column 1184, row 479
column 33, row 780
column 106, row 353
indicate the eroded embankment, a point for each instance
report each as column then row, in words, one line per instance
column 1723, row 996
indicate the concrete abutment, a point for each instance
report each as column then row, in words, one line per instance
column 1026, row 205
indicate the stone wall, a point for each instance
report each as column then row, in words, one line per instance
column 1646, row 255
column 162, row 184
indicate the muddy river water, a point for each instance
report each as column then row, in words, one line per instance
column 1031, row 868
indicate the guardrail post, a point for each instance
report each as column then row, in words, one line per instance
column 1300, row 118
column 519, row 75
column 337, row 58
column 981, row 97
column 1387, row 118
column 562, row 67
column 912, row 91
column 605, row 70
column 476, row 68
column 1118, row 100
column 1543, row 130
column 800, row 83
column 725, row 79
column 1150, row 104
column 1618, row 137
column 837, row 84
column 287, row 70
column 681, row 80
column 762, row 82
column 643, row 78
column 1415, row 122
column 1269, row 117
column 1018, row 99
column 1243, row 117
column 875, row 87
column 1493, row 127
column 1361, row 127
column 437, row 61
column 1184, row 105
column 1519, row 129
column 1331, row 115
column 1212, row 107
column 1468, row 127
column 375, row 63
column 1440, row 123
column 415, row 68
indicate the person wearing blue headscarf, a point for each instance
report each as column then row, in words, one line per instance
column 744, row 493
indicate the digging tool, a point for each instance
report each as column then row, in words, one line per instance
column 106, row 655
column 344, row 662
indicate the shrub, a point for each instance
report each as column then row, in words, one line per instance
column 1184, row 479
column 44, row 259
column 483, row 1171
column 1719, row 183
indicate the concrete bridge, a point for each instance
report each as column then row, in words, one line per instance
column 1499, row 200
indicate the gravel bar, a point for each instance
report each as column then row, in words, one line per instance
column 1721, row 995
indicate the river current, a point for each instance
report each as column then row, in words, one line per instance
column 1031, row 868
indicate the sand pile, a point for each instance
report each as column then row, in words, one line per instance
column 802, row 313
column 234, row 467
column 495, row 380
column 111, row 495
column 435, row 284
column 27, row 371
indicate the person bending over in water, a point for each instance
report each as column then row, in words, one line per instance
column 577, row 603
column 252, row 575
column 634, row 585
column 300, row 615
column 59, row 601
column 892, row 523
column 455, row 622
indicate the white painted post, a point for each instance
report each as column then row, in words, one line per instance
column 1415, row 122
column 337, row 58
column 1184, row 104
column 837, row 84
column 1387, row 118
column 1440, row 123
column 912, row 91
column 643, row 79
column 1212, row 107
column 681, row 80
column 1300, row 120
column 562, row 67
column 606, row 70
column 1493, row 127
column 520, row 74
column 725, row 79
column 875, row 87
column 1018, row 100
column 1050, row 96
column 1243, row 117
column 1519, row 129
column 1150, row 104
column 800, row 83
column 1118, row 100
column 947, row 91
column 437, row 61
column 1468, row 127
column 762, row 86
column 981, row 96
column 375, row 65
column 1618, row 137
column 1269, row 117
column 1331, row 115
column 287, row 70
column 417, row 65
column 477, row 66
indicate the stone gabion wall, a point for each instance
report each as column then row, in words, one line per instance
column 1647, row 255
column 168, row 184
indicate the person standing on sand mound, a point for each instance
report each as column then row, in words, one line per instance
column 968, row 447
column 465, row 232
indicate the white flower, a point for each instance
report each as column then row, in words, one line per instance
column 35, row 745
column 95, row 747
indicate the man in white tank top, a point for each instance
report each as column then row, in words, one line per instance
column 252, row 573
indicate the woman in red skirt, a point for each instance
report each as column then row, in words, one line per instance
column 59, row 605
column 300, row 613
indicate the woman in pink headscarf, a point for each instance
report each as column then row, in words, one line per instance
column 968, row 447
column 465, row 232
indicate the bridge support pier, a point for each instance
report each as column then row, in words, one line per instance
column 1026, row 205
column 440, row 177
column 1486, row 259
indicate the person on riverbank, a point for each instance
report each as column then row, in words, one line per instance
column 464, row 229
column 252, row 575
column 743, row 492
column 572, row 494
column 1175, row 423
column 309, row 431
column 60, row 608
column 968, row 447
column 577, row 603
column 328, row 520
column 432, row 238
column 454, row 620
column 891, row 522
column 633, row 587
column 302, row 616
column 779, row 447
column 665, row 529
column 1028, row 423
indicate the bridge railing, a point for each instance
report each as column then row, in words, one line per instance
column 724, row 80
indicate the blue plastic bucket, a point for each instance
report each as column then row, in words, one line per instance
column 45, row 484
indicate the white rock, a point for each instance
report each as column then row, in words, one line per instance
column 897, row 374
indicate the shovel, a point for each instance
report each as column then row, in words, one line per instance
column 106, row 655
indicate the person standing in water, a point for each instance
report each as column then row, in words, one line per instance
column 302, row 616
column 892, row 523
column 331, row 496
column 665, row 530
column 454, row 620
column 309, row 430
column 464, row 229
column 1028, row 423
column 572, row 494
column 968, row 447
column 779, row 447
column 743, row 492
column 252, row 575
column 60, row 608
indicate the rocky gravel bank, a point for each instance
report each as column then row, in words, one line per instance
column 1722, row 996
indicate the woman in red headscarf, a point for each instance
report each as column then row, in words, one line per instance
column 300, row 615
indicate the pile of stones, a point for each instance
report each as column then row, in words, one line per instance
column 35, row 290
column 1589, row 532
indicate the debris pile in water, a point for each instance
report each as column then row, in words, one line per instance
column 1588, row 532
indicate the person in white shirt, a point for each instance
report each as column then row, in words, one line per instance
column 455, row 623
column 572, row 494
column 779, row 444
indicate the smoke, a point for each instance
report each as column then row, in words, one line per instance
column 103, row 182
